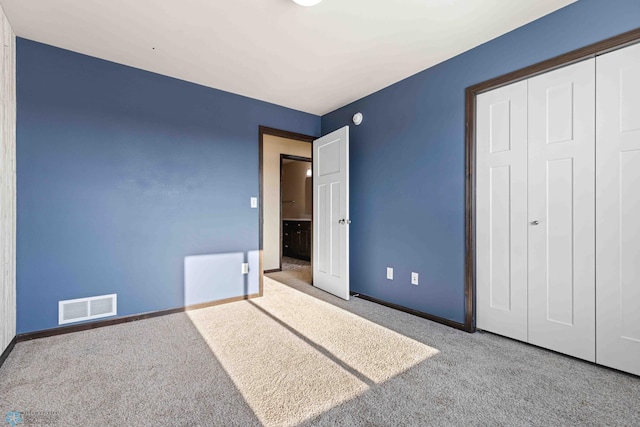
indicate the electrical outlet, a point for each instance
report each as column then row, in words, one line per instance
column 414, row 279
column 245, row 268
column 389, row 273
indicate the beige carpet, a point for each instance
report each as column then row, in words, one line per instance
column 295, row 264
column 298, row 356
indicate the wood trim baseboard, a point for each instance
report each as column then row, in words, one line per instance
column 438, row 319
column 8, row 350
column 275, row 270
column 590, row 51
column 125, row 319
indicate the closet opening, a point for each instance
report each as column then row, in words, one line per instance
column 552, row 239
column 590, row 51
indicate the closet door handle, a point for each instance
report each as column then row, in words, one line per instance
column 535, row 222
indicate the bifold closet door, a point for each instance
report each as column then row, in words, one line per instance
column 501, row 211
column 618, row 209
column 561, row 232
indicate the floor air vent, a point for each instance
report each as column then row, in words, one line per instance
column 76, row 310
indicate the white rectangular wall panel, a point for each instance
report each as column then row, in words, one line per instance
column 500, row 126
column 560, row 281
column 500, row 238
column 559, row 113
column 501, row 211
column 336, row 232
column 629, row 92
column 561, row 250
column 630, row 245
column 618, row 209
column 7, row 184
column 322, row 238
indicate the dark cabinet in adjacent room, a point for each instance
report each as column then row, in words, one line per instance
column 296, row 239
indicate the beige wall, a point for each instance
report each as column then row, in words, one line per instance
column 294, row 187
column 273, row 147
column 7, row 184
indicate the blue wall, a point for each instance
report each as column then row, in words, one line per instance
column 125, row 178
column 407, row 158
column 138, row 184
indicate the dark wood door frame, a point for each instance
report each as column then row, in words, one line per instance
column 299, row 159
column 262, row 131
column 591, row 51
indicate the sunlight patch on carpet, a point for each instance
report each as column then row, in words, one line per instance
column 293, row 356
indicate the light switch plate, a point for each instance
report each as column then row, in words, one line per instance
column 245, row 268
column 254, row 202
column 389, row 273
column 414, row 279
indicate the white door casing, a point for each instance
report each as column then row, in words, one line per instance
column 501, row 211
column 561, row 207
column 331, row 213
column 618, row 209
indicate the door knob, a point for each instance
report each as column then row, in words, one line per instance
column 344, row 221
column 535, row 222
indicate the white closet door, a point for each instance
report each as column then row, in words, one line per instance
column 561, row 210
column 618, row 209
column 501, row 211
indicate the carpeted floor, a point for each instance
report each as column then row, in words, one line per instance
column 294, row 271
column 301, row 357
column 289, row 264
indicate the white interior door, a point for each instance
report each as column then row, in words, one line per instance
column 501, row 211
column 331, row 213
column 562, row 210
column 618, row 209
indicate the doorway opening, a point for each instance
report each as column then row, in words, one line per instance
column 285, row 210
column 296, row 215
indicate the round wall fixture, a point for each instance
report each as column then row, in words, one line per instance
column 357, row 118
column 307, row 2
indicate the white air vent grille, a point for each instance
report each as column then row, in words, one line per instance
column 76, row 310
column 102, row 306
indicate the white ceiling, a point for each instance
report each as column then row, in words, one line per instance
column 313, row 59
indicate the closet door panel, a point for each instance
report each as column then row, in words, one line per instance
column 618, row 210
column 561, row 236
column 501, row 213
